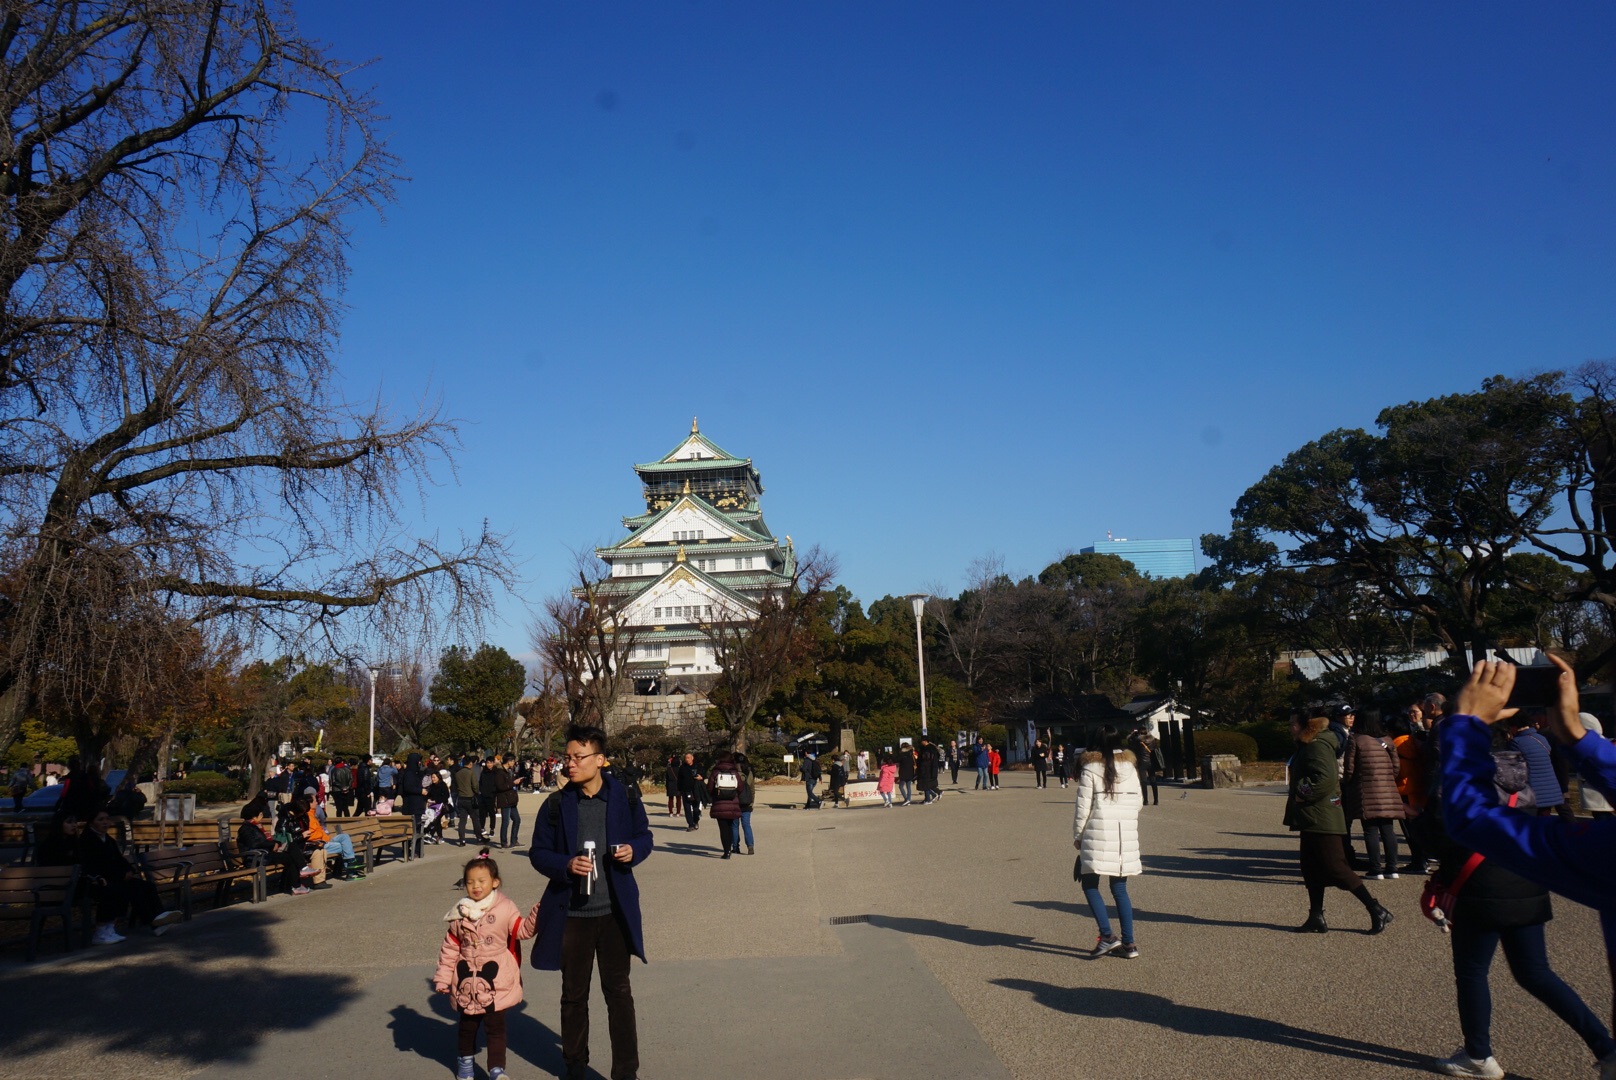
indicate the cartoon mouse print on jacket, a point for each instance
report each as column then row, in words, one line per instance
column 480, row 964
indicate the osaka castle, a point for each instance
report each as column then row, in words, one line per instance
column 700, row 554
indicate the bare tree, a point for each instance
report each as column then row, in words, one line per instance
column 584, row 642
column 544, row 712
column 757, row 654
column 401, row 700
column 969, row 626
column 173, row 439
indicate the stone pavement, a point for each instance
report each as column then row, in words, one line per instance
column 970, row 965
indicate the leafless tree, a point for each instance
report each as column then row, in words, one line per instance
column 544, row 712
column 756, row 655
column 173, row 439
column 401, row 700
column 584, row 642
column 970, row 625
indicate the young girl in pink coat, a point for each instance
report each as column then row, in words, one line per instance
column 883, row 785
column 480, row 964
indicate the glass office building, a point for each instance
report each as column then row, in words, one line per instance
column 1153, row 558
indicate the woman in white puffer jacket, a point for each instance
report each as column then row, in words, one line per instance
column 1105, row 831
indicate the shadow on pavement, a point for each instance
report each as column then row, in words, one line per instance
column 178, row 997
column 966, row 935
column 1142, row 915
column 433, row 1037
column 1228, row 864
column 690, row 849
column 1212, row 1023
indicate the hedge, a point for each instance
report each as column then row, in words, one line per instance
column 207, row 789
column 1215, row 741
column 1273, row 739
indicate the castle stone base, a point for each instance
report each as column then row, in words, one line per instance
column 676, row 712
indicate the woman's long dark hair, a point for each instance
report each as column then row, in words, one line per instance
column 1110, row 743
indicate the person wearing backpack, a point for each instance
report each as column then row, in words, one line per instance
column 724, row 793
column 342, row 785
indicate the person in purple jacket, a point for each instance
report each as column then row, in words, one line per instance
column 1574, row 858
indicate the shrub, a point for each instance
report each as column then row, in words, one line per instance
column 1214, row 741
column 207, row 789
column 767, row 758
column 1273, row 739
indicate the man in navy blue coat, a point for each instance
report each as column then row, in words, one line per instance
column 590, row 910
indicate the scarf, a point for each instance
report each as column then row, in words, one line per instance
column 473, row 910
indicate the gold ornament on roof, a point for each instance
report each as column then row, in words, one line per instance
column 693, row 429
column 681, row 556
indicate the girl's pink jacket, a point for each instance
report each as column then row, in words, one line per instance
column 489, row 940
column 889, row 773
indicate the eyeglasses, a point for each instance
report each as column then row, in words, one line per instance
column 579, row 759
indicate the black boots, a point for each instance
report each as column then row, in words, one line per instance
column 1315, row 924
column 1379, row 919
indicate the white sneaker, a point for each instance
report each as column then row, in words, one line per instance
column 106, row 935
column 165, row 918
column 1391, row 877
column 1462, row 1064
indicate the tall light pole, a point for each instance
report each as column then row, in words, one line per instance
column 918, row 602
column 373, row 674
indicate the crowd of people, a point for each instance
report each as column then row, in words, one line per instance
column 1481, row 795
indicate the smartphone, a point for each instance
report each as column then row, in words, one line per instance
column 1535, row 687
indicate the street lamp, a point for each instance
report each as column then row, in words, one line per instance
column 918, row 602
column 373, row 674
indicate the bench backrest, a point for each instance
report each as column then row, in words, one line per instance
column 168, row 864
column 53, row 883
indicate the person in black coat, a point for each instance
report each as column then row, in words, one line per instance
column 117, row 886
column 670, row 781
column 906, row 773
column 252, row 836
column 412, row 790
column 928, row 763
column 692, row 785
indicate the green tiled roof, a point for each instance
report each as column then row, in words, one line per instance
column 703, row 465
column 708, row 507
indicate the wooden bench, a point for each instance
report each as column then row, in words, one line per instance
column 140, row 835
column 39, row 893
column 16, row 843
column 184, row 870
column 373, row 835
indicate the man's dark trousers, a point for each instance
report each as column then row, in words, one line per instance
column 582, row 942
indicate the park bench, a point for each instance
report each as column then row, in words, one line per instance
column 16, row 843
column 137, row 836
column 39, row 893
column 184, row 870
column 373, row 835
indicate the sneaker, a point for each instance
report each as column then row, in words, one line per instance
column 1130, row 951
column 106, row 935
column 1374, row 877
column 1103, row 945
column 1462, row 1064
column 465, row 1067
column 1391, row 877
column 307, row 871
column 167, row 917
column 301, row 890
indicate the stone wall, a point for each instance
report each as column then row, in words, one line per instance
column 1220, row 771
column 676, row 712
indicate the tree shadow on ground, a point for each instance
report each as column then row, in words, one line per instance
column 185, row 997
column 433, row 1037
column 1162, row 1012
column 1277, row 867
column 967, row 935
column 1142, row 915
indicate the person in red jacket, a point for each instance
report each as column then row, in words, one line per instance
column 994, row 761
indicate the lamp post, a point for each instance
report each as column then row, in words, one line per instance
column 918, row 602
column 373, row 674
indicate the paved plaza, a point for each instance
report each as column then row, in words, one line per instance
column 971, row 965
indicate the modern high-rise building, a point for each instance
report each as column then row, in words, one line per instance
column 1153, row 558
column 700, row 555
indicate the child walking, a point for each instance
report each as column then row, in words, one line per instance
column 889, row 776
column 480, row 964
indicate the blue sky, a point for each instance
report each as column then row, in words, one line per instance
column 962, row 278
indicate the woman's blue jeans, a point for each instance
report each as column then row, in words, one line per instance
column 1528, row 957
column 1119, row 893
column 746, row 826
column 341, row 844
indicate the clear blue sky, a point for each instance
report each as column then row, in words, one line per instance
column 963, row 278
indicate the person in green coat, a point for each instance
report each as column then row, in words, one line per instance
column 1314, row 810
